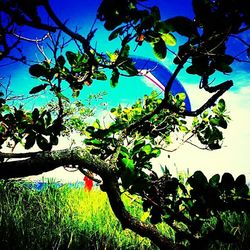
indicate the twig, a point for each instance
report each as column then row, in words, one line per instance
column 36, row 40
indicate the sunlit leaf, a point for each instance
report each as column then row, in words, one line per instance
column 184, row 129
column 94, row 142
column 169, row 39
column 129, row 163
column 145, row 216
column 147, row 149
column 181, row 96
column 156, row 152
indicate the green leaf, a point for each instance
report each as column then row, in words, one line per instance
column 160, row 49
column 60, row 61
column 214, row 180
column 227, row 181
column 183, row 129
column 129, row 163
column 94, row 142
column 198, row 181
column 71, row 57
column 35, row 115
column 155, row 12
column 53, row 140
column 38, row 70
column 240, row 181
column 223, row 67
column 115, row 33
column 169, row 39
column 183, row 25
column 147, row 149
column 48, row 118
column 241, row 187
column 43, row 143
column 156, row 152
column 223, row 123
column 215, row 121
column 130, row 67
column 221, row 105
column 115, row 77
column 192, row 70
column 38, row 88
column 96, row 124
column 30, row 141
column 76, row 93
column 162, row 27
column 90, row 129
column 125, row 52
column 100, row 76
column 181, row 96
column 63, row 97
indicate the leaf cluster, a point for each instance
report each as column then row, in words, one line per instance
column 140, row 24
column 76, row 69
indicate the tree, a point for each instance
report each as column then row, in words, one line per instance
column 121, row 152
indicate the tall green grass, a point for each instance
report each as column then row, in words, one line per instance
column 69, row 218
column 61, row 218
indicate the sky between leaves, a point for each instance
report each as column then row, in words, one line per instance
column 234, row 156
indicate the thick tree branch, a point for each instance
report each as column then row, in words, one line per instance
column 128, row 221
column 174, row 75
column 24, row 21
column 46, row 161
column 209, row 103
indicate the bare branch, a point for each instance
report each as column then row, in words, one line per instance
column 64, row 28
column 32, row 40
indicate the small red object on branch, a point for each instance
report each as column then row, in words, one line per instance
column 88, row 184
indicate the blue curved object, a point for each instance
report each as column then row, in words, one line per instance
column 159, row 75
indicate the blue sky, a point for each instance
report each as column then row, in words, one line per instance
column 235, row 155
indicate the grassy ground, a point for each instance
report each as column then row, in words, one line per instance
column 69, row 218
column 61, row 218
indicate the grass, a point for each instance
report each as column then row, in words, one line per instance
column 68, row 218
column 61, row 218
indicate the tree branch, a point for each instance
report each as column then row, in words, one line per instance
column 46, row 161
column 209, row 103
column 41, row 162
column 69, row 32
column 128, row 221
